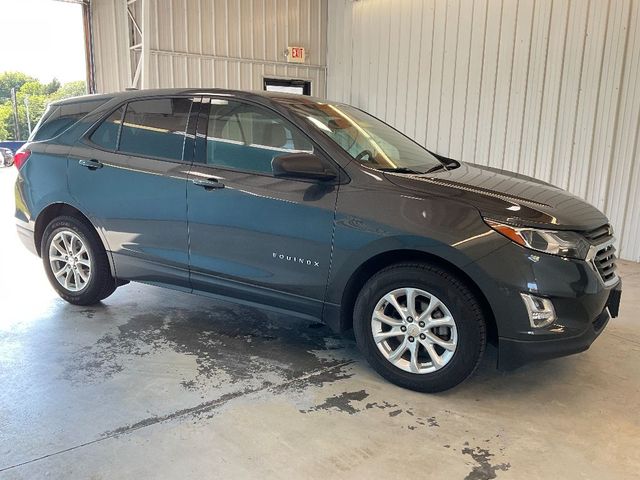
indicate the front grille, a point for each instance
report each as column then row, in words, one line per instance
column 604, row 256
column 605, row 263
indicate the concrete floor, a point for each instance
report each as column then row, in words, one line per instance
column 155, row 383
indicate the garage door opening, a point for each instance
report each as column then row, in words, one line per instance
column 298, row 87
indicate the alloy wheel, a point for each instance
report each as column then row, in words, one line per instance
column 414, row 330
column 70, row 260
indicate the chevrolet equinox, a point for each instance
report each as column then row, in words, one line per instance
column 321, row 210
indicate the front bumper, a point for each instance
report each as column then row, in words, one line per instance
column 514, row 353
column 583, row 303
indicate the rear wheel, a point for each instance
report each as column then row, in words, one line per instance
column 419, row 327
column 76, row 262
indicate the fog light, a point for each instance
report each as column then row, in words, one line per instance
column 540, row 310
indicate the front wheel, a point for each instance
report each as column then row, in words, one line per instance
column 76, row 262
column 419, row 327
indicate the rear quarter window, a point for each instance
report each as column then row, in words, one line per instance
column 58, row 118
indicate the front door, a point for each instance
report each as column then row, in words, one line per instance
column 253, row 236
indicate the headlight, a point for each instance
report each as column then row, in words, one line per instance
column 556, row 242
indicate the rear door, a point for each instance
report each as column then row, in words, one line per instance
column 254, row 236
column 130, row 177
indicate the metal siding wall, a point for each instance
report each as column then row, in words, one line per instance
column 109, row 44
column 548, row 88
column 215, row 43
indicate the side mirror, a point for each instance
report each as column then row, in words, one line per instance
column 302, row 165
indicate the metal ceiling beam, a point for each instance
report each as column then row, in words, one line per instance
column 138, row 33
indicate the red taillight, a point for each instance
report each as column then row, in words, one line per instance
column 21, row 157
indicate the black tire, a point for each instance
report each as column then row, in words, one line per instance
column 101, row 284
column 461, row 303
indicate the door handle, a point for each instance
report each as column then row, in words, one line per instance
column 208, row 184
column 91, row 164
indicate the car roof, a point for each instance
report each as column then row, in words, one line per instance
column 160, row 92
column 83, row 98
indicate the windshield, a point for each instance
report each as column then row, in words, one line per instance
column 367, row 139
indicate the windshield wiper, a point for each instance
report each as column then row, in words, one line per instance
column 398, row 170
column 437, row 168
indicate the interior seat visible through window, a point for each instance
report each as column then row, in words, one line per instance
column 247, row 137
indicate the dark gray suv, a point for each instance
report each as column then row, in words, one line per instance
column 321, row 210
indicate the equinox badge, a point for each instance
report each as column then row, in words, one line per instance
column 300, row 260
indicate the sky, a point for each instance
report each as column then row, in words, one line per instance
column 42, row 38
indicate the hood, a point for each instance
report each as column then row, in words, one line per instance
column 507, row 197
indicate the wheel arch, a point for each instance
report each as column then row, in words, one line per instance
column 58, row 209
column 385, row 259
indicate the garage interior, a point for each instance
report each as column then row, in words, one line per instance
column 162, row 384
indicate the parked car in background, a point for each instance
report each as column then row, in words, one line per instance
column 317, row 209
column 7, row 151
column 6, row 157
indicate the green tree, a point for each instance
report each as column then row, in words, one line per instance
column 71, row 89
column 6, row 120
column 9, row 80
column 33, row 87
column 36, row 94
column 53, row 86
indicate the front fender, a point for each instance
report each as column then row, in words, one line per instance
column 451, row 231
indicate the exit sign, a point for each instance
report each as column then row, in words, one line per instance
column 295, row 54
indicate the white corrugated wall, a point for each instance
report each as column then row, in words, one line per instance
column 214, row 43
column 549, row 88
column 111, row 58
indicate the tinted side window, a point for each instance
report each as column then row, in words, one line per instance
column 247, row 137
column 106, row 135
column 60, row 117
column 155, row 128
